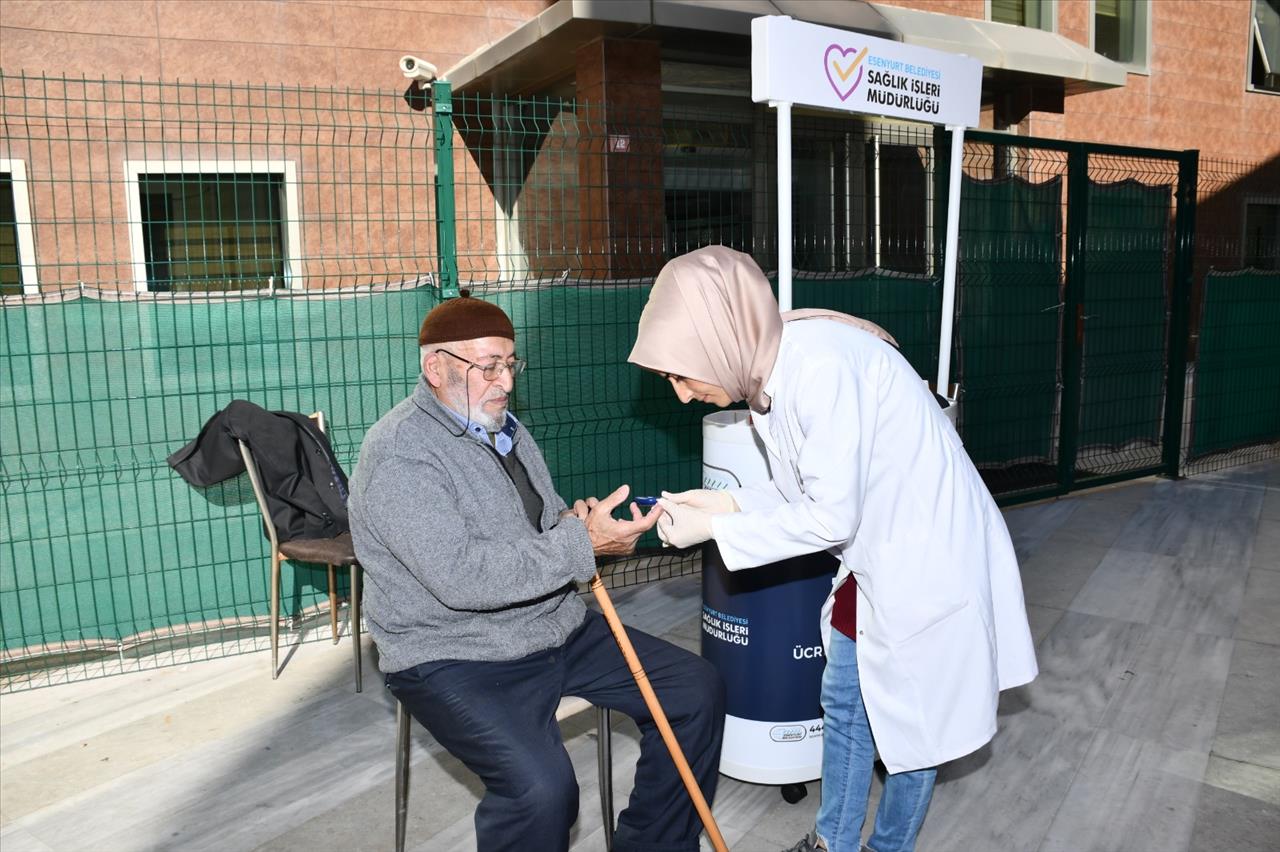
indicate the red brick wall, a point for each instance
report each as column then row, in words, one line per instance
column 1195, row 95
column 355, row 182
column 340, row 43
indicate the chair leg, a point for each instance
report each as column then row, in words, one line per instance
column 353, row 626
column 333, row 603
column 604, row 759
column 402, row 773
column 275, row 615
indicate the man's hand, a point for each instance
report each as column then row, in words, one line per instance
column 703, row 499
column 580, row 509
column 609, row 536
column 683, row 525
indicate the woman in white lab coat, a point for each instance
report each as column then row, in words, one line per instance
column 928, row 603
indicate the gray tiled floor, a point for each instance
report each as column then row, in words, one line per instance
column 1153, row 724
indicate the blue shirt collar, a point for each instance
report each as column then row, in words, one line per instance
column 502, row 442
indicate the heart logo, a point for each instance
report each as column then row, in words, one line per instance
column 841, row 67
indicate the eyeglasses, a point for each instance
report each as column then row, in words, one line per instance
column 493, row 370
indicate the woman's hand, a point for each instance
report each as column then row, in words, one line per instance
column 684, row 525
column 703, row 499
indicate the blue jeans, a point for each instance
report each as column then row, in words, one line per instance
column 848, row 759
column 499, row 719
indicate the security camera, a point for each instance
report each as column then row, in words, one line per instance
column 420, row 74
column 419, row 70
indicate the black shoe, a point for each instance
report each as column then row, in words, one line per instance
column 808, row 843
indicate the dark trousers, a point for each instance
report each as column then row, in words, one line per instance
column 499, row 719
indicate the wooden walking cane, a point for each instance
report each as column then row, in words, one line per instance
column 659, row 717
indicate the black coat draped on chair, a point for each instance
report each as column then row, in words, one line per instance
column 305, row 486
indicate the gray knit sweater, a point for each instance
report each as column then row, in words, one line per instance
column 453, row 570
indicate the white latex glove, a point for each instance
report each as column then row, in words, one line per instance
column 713, row 502
column 682, row 525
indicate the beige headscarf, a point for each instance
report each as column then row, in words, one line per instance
column 712, row 317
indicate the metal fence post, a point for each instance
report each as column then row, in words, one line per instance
column 1180, row 308
column 941, row 167
column 1073, row 312
column 446, row 218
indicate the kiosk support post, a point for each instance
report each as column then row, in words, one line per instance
column 949, row 260
column 784, row 203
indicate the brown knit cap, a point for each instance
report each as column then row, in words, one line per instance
column 464, row 318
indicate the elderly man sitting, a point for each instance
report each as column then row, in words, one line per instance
column 471, row 562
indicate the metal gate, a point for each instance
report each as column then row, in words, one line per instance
column 1071, row 330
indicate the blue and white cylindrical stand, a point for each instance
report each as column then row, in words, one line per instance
column 760, row 630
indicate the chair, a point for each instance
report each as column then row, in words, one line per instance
column 333, row 552
column 568, row 707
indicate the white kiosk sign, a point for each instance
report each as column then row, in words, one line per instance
column 836, row 69
column 793, row 62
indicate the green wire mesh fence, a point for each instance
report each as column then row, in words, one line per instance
column 1010, row 277
column 166, row 248
column 1067, row 373
column 1124, row 325
column 1233, row 381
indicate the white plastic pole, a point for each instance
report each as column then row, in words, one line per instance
column 949, row 262
column 784, row 204
column 875, row 196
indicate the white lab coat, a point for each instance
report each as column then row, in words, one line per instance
column 864, row 464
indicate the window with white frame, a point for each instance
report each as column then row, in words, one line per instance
column 1120, row 30
column 1264, row 46
column 213, row 226
column 17, row 243
column 1262, row 233
column 1037, row 14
